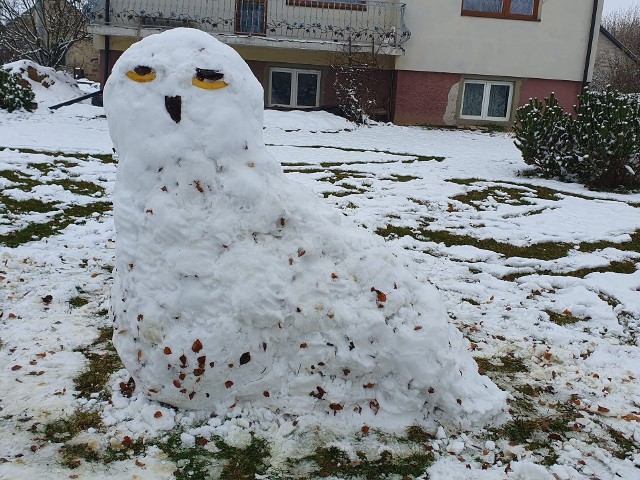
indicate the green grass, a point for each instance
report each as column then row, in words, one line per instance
column 77, row 302
column 20, row 207
column 60, row 216
column 197, row 462
column 102, row 361
column 507, row 364
column 65, row 429
column 416, row 157
column 541, row 251
column 564, row 318
column 624, row 447
column 68, row 215
column 104, row 158
column 333, row 462
column 627, row 267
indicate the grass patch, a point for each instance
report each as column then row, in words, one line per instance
column 96, row 373
column 541, row 251
column 20, row 207
column 564, row 318
column 65, row 429
column 627, row 267
column 509, row 365
column 73, row 454
column 402, row 178
column 79, row 187
column 197, row 462
column 416, row 158
column 103, row 157
column 538, row 432
column 38, row 231
column 77, row 302
column 624, row 446
column 333, row 462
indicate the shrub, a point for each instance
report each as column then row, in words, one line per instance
column 542, row 135
column 599, row 146
column 606, row 134
column 13, row 95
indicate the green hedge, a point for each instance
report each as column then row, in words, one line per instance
column 599, row 146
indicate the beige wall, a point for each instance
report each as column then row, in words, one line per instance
column 442, row 40
column 83, row 55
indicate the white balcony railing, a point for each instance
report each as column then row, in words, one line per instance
column 359, row 21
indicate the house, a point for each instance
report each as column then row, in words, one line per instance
column 615, row 65
column 441, row 62
column 49, row 32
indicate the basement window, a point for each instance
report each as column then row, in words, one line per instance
column 485, row 100
column 294, row 88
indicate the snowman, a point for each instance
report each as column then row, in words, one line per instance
column 235, row 286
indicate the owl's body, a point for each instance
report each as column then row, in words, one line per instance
column 234, row 285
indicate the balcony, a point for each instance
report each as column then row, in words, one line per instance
column 299, row 24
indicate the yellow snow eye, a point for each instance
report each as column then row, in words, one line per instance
column 142, row 74
column 208, row 79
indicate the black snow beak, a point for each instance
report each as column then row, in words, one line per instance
column 174, row 107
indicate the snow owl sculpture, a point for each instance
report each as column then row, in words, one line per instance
column 236, row 286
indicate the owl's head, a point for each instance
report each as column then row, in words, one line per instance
column 179, row 91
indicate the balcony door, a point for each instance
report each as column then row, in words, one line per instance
column 251, row 17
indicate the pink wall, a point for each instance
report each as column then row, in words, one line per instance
column 422, row 97
column 566, row 92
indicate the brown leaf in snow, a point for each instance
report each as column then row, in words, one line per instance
column 197, row 346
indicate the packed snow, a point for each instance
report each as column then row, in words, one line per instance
column 234, row 286
column 558, row 331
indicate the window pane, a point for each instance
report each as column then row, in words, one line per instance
column 307, row 89
column 492, row 6
column 522, row 7
column 498, row 101
column 281, row 88
column 250, row 17
column 472, row 101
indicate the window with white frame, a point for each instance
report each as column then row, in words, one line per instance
column 486, row 100
column 294, row 88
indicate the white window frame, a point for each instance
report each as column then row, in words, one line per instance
column 485, row 101
column 294, row 86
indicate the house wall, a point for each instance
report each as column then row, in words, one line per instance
column 261, row 59
column 442, row 40
column 83, row 55
column 428, row 98
column 608, row 57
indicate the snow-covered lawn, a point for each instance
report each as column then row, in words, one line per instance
column 540, row 276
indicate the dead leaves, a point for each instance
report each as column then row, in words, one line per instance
column 197, row 346
column 127, row 388
column 380, row 296
column 245, row 358
column 318, row 393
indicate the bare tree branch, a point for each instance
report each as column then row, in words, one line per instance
column 41, row 30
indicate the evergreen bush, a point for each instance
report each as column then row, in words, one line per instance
column 606, row 134
column 13, row 95
column 599, row 146
column 542, row 134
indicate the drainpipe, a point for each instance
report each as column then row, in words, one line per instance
column 107, row 20
column 594, row 18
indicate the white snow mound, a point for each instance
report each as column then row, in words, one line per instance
column 235, row 286
column 49, row 85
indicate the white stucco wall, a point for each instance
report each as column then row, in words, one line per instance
column 442, row 40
